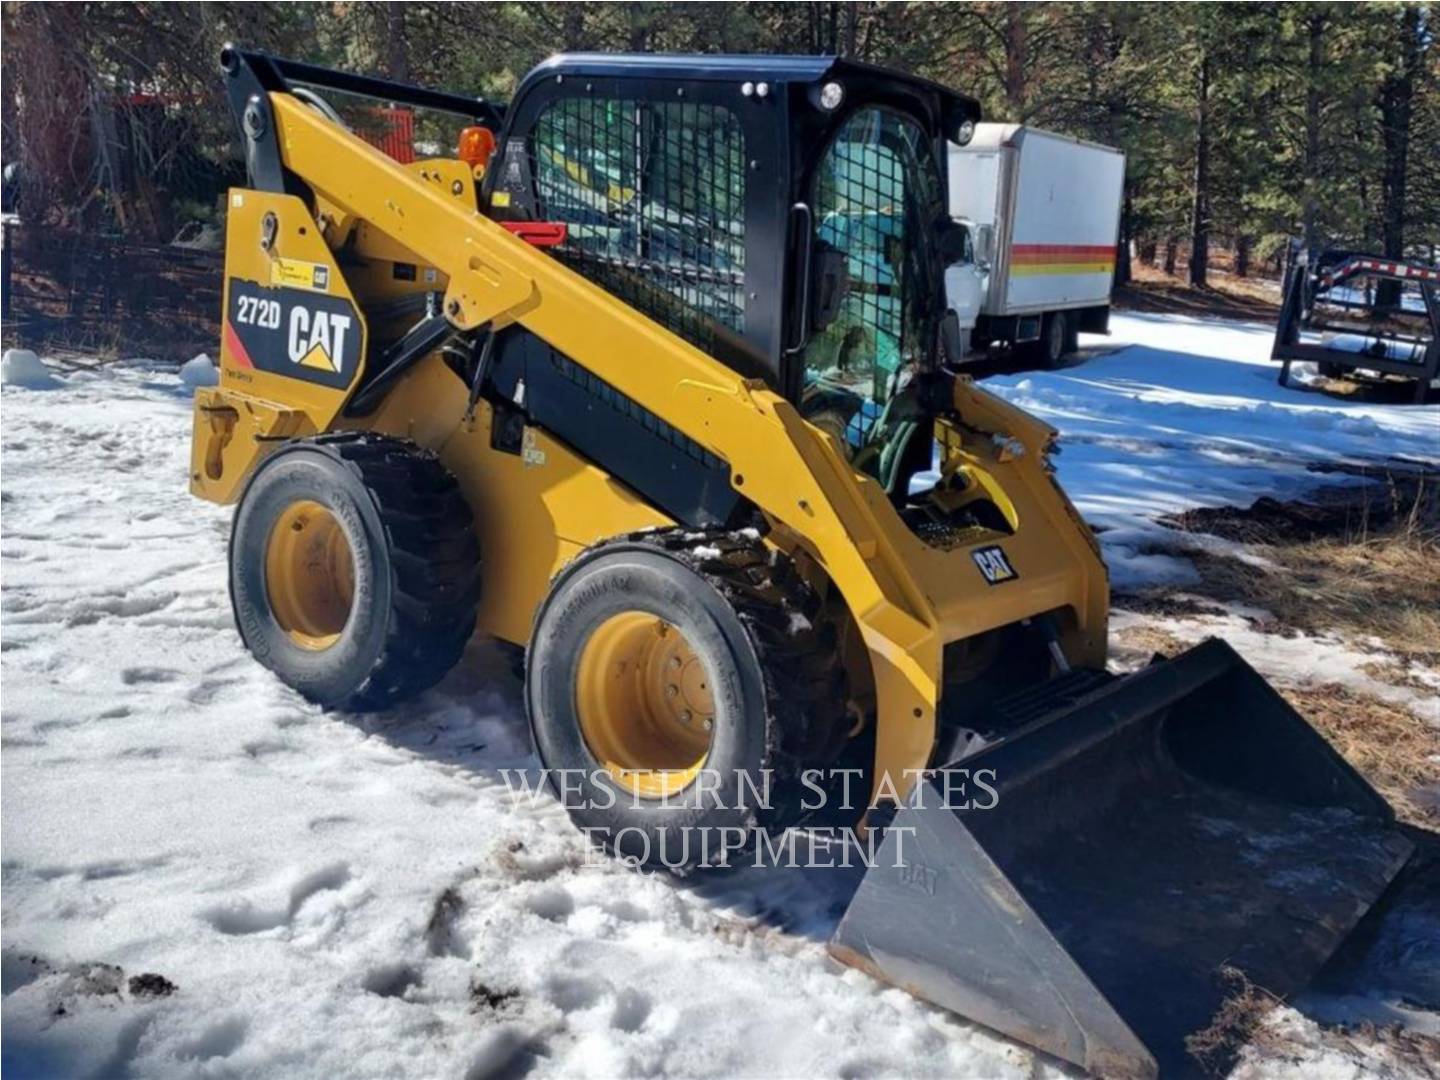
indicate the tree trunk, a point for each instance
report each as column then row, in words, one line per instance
column 1397, row 96
column 1148, row 249
column 1122, row 248
column 1309, row 200
column 572, row 27
column 1172, row 248
column 1242, row 255
column 1015, row 88
column 397, row 53
column 1200, row 204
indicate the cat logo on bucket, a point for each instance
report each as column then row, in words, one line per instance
column 317, row 338
column 993, row 564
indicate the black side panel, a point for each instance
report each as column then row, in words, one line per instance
column 631, row 443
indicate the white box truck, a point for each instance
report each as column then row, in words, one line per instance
column 1043, row 215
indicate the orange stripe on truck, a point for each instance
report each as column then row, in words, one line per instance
column 1029, row 260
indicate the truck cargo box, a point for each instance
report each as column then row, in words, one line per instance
column 1045, row 213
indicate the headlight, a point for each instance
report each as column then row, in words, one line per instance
column 965, row 132
column 831, row 95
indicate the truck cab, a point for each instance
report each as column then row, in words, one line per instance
column 966, row 279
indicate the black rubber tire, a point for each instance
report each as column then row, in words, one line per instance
column 416, row 562
column 1072, row 335
column 779, row 689
column 1054, row 339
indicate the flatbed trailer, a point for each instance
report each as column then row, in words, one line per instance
column 1332, row 296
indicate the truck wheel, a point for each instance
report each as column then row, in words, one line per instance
column 354, row 569
column 668, row 677
column 1054, row 340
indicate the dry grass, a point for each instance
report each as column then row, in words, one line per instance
column 1151, row 289
column 1146, row 640
column 1386, row 1052
column 1240, row 1025
column 1360, row 563
column 1367, row 569
column 1401, row 674
column 1236, row 1024
column 1393, row 748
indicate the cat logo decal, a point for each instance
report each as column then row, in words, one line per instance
column 993, row 564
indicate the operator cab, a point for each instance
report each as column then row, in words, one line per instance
column 787, row 215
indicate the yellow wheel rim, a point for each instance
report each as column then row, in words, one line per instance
column 645, row 704
column 310, row 575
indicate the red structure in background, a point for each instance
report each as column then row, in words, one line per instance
column 393, row 132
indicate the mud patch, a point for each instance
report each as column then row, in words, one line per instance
column 150, row 985
column 486, row 998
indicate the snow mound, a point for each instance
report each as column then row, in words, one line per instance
column 21, row 367
column 199, row 371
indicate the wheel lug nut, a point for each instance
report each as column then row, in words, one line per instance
column 685, row 716
column 708, row 724
column 675, row 661
column 672, row 690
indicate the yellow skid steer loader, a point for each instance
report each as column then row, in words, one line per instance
column 648, row 377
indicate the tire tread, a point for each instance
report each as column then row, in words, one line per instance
column 434, row 562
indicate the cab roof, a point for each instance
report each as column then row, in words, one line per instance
column 775, row 69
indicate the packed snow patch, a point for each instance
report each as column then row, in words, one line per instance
column 21, row 367
column 199, row 371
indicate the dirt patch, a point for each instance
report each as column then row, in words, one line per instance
column 150, row 985
column 1227, row 296
column 485, row 997
column 1393, row 748
column 1164, row 605
column 1395, row 504
column 1361, row 562
column 440, row 933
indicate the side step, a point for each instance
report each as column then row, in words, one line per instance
column 1148, row 835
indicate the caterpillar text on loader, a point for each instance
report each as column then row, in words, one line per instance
column 648, row 380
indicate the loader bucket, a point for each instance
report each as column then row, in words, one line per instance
column 1146, row 837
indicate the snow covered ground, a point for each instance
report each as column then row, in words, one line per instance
column 325, row 895
column 1190, row 414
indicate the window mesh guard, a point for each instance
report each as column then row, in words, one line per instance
column 653, row 195
column 871, row 187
